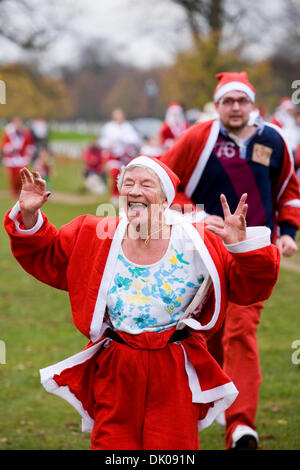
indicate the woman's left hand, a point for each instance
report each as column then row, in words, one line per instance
column 234, row 229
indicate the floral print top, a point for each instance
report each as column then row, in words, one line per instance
column 152, row 297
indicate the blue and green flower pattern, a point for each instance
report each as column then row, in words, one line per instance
column 151, row 298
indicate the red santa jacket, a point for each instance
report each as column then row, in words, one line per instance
column 17, row 148
column 168, row 134
column 79, row 259
column 189, row 156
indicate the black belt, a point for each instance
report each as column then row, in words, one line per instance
column 178, row 335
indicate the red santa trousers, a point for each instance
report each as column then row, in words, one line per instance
column 235, row 348
column 142, row 396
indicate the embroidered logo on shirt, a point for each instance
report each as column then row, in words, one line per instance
column 261, row 154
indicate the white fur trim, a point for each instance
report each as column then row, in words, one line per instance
column 257, row 237
column 223, row 396
column 196, row 216
column 243, row 430
column 96, row 328
column 64, row 392
column 293, row 203
column 165, row 180
column 221, row 419
column 13, row 216
column 203, row 158
column 234, row 86
column 199, row 245
column 87, row 423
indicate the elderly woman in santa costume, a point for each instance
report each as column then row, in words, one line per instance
column 144, row 288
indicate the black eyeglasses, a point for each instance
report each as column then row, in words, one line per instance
column 230, row 101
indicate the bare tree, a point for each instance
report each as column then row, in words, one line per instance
column 204, row 13
column 32, row 24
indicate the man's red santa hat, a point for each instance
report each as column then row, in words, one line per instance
column 233, row 81
column 168, row 179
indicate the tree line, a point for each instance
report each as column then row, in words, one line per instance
column 221, row 34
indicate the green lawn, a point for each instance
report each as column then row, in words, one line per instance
column 71, row 136
column 37, row 330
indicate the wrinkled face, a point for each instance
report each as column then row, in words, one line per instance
column 234, row 109
column 142, row 196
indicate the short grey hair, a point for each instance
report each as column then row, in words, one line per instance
column 124, row 169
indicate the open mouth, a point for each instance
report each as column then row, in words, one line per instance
column 137, row 205
column 136, row 209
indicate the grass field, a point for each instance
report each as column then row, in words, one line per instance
column 37, row 330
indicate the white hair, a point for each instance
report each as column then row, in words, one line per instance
column 124, row 169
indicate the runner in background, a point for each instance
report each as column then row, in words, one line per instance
column 44, row 164
column 94, row 174
column 173, row 125
column 120, row 143
column 230, row 156
column 17, row 151
column 286, row 117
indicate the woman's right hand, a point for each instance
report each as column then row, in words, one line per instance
column 32, row 196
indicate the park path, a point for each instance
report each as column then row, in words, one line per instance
column 74, row 198
column 290, row 265
column 67, row 198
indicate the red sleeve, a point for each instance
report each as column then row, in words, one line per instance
column 45, row 254
column 246, row 277
column 5, row 140
column 165, row 133
column 253, row 274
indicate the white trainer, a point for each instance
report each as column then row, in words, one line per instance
column 244, row 437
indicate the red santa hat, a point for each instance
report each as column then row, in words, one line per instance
column 233, row 81
column 174, row 104
column 174, row 109
column 168, row 179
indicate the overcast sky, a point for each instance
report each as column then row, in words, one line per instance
column 140, row 32
column 144, row 33
column 135, row 29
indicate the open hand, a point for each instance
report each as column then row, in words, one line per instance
column 234, row 229
column 33, row 193
column 32, row 196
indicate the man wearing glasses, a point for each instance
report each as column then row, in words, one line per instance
column 234, row 154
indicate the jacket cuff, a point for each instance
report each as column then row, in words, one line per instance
column 257, row 237
column 13, row 215
column 287, row 229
